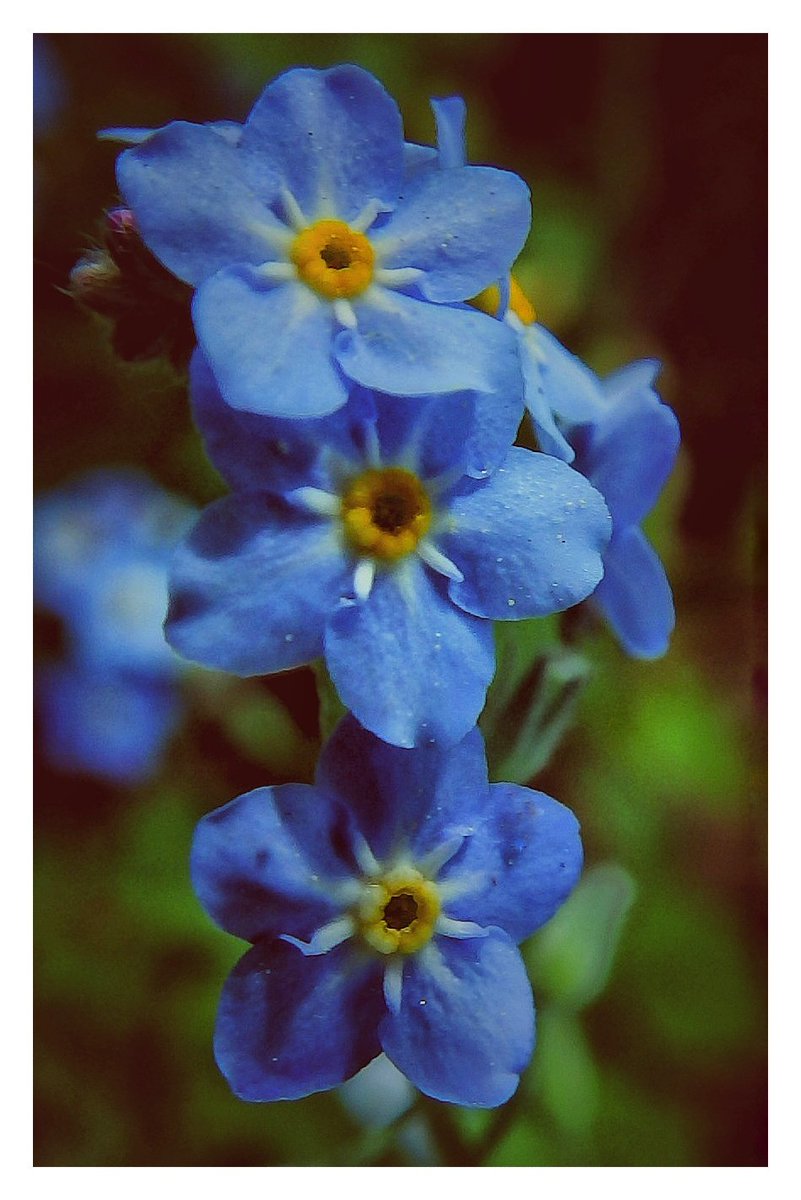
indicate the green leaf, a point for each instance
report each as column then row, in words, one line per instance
column 332, row 710
column 565, row 1075
column 571, row 958
column 533, row 705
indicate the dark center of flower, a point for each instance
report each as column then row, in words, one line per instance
column 400, row 911
column 336, row 257
column 393, row 511
column 385, row 512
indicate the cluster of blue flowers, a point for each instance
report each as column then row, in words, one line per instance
column 364, row 360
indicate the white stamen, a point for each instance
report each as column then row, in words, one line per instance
column 278, row 237
column 294, row 212
column 393, row 984
column 363, row 578
column 315, row 500
column 368, row 214
column 368, row 864
column 372, row 446
column 325, row 938
column 279, row 271
column 438, row 561
column 397, row 277
column 435, row 860
column 450, row 927
column 343, row 311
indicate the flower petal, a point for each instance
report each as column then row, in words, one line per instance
column 333, row 138
column 407, row 663
column 629, row 452
column 528, row 540
column 462, row 227
column 260, row 864
column 520, row 864
column 276, row 454
column 450, row 115
column 571, row 389
column 289, row 1025
column 419, row 797
column 635, row 595
column 465, row 1030
column 192, row 204
column 407, row 347
column 269, row 347
column 252, row 585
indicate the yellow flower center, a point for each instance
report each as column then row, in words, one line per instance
column 333, row 259
column 398, row 912
column 489, row 301
column 385, row 512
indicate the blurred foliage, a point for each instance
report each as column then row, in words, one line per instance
column 646, row 158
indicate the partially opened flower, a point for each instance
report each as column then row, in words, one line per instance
column 317, row 256
column 627, row 451
column 384, row 905
column 391, row 562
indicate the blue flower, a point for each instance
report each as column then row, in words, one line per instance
column 389, row 560
column 102, row 544
column 627, row 451
column 556, row 384
column 109, row 725
column 383, row 905
column 315, row 252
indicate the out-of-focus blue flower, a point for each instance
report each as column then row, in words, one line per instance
column 102, row 545
column 384, row 905
column 627, row 451
column 391, row 561
column 317, row 256
column 110, row 725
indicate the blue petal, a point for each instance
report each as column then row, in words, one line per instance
column 255, row 452
column 465, row 432
column 450, row 115
column 465, row 1030
column 420, row 797
column 519, row 865
column 333, row 138
column 637, row 376
column 260, row 864
column 406, row 347
column 628, row 453
column 411, row 666
column 635, row 595
column 528, row 539
column 463, row 228
column 252, row 585
column 192, row 204
column 417, row 158
column 269, row 347
column 104, row 724
column 557, row 383
column 289, row 1025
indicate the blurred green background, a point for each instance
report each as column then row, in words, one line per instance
column 646, row 156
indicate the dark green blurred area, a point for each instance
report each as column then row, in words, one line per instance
column 646, row 157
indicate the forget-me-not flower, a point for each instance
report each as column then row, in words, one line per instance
column 317, row 256
column 389, row 560
column 627, row 450
column 384, row 904
column 102, row 544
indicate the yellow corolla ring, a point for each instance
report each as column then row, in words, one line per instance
column 333, row 259
column 489, row 301
column 398, row 912
column 385, row 512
